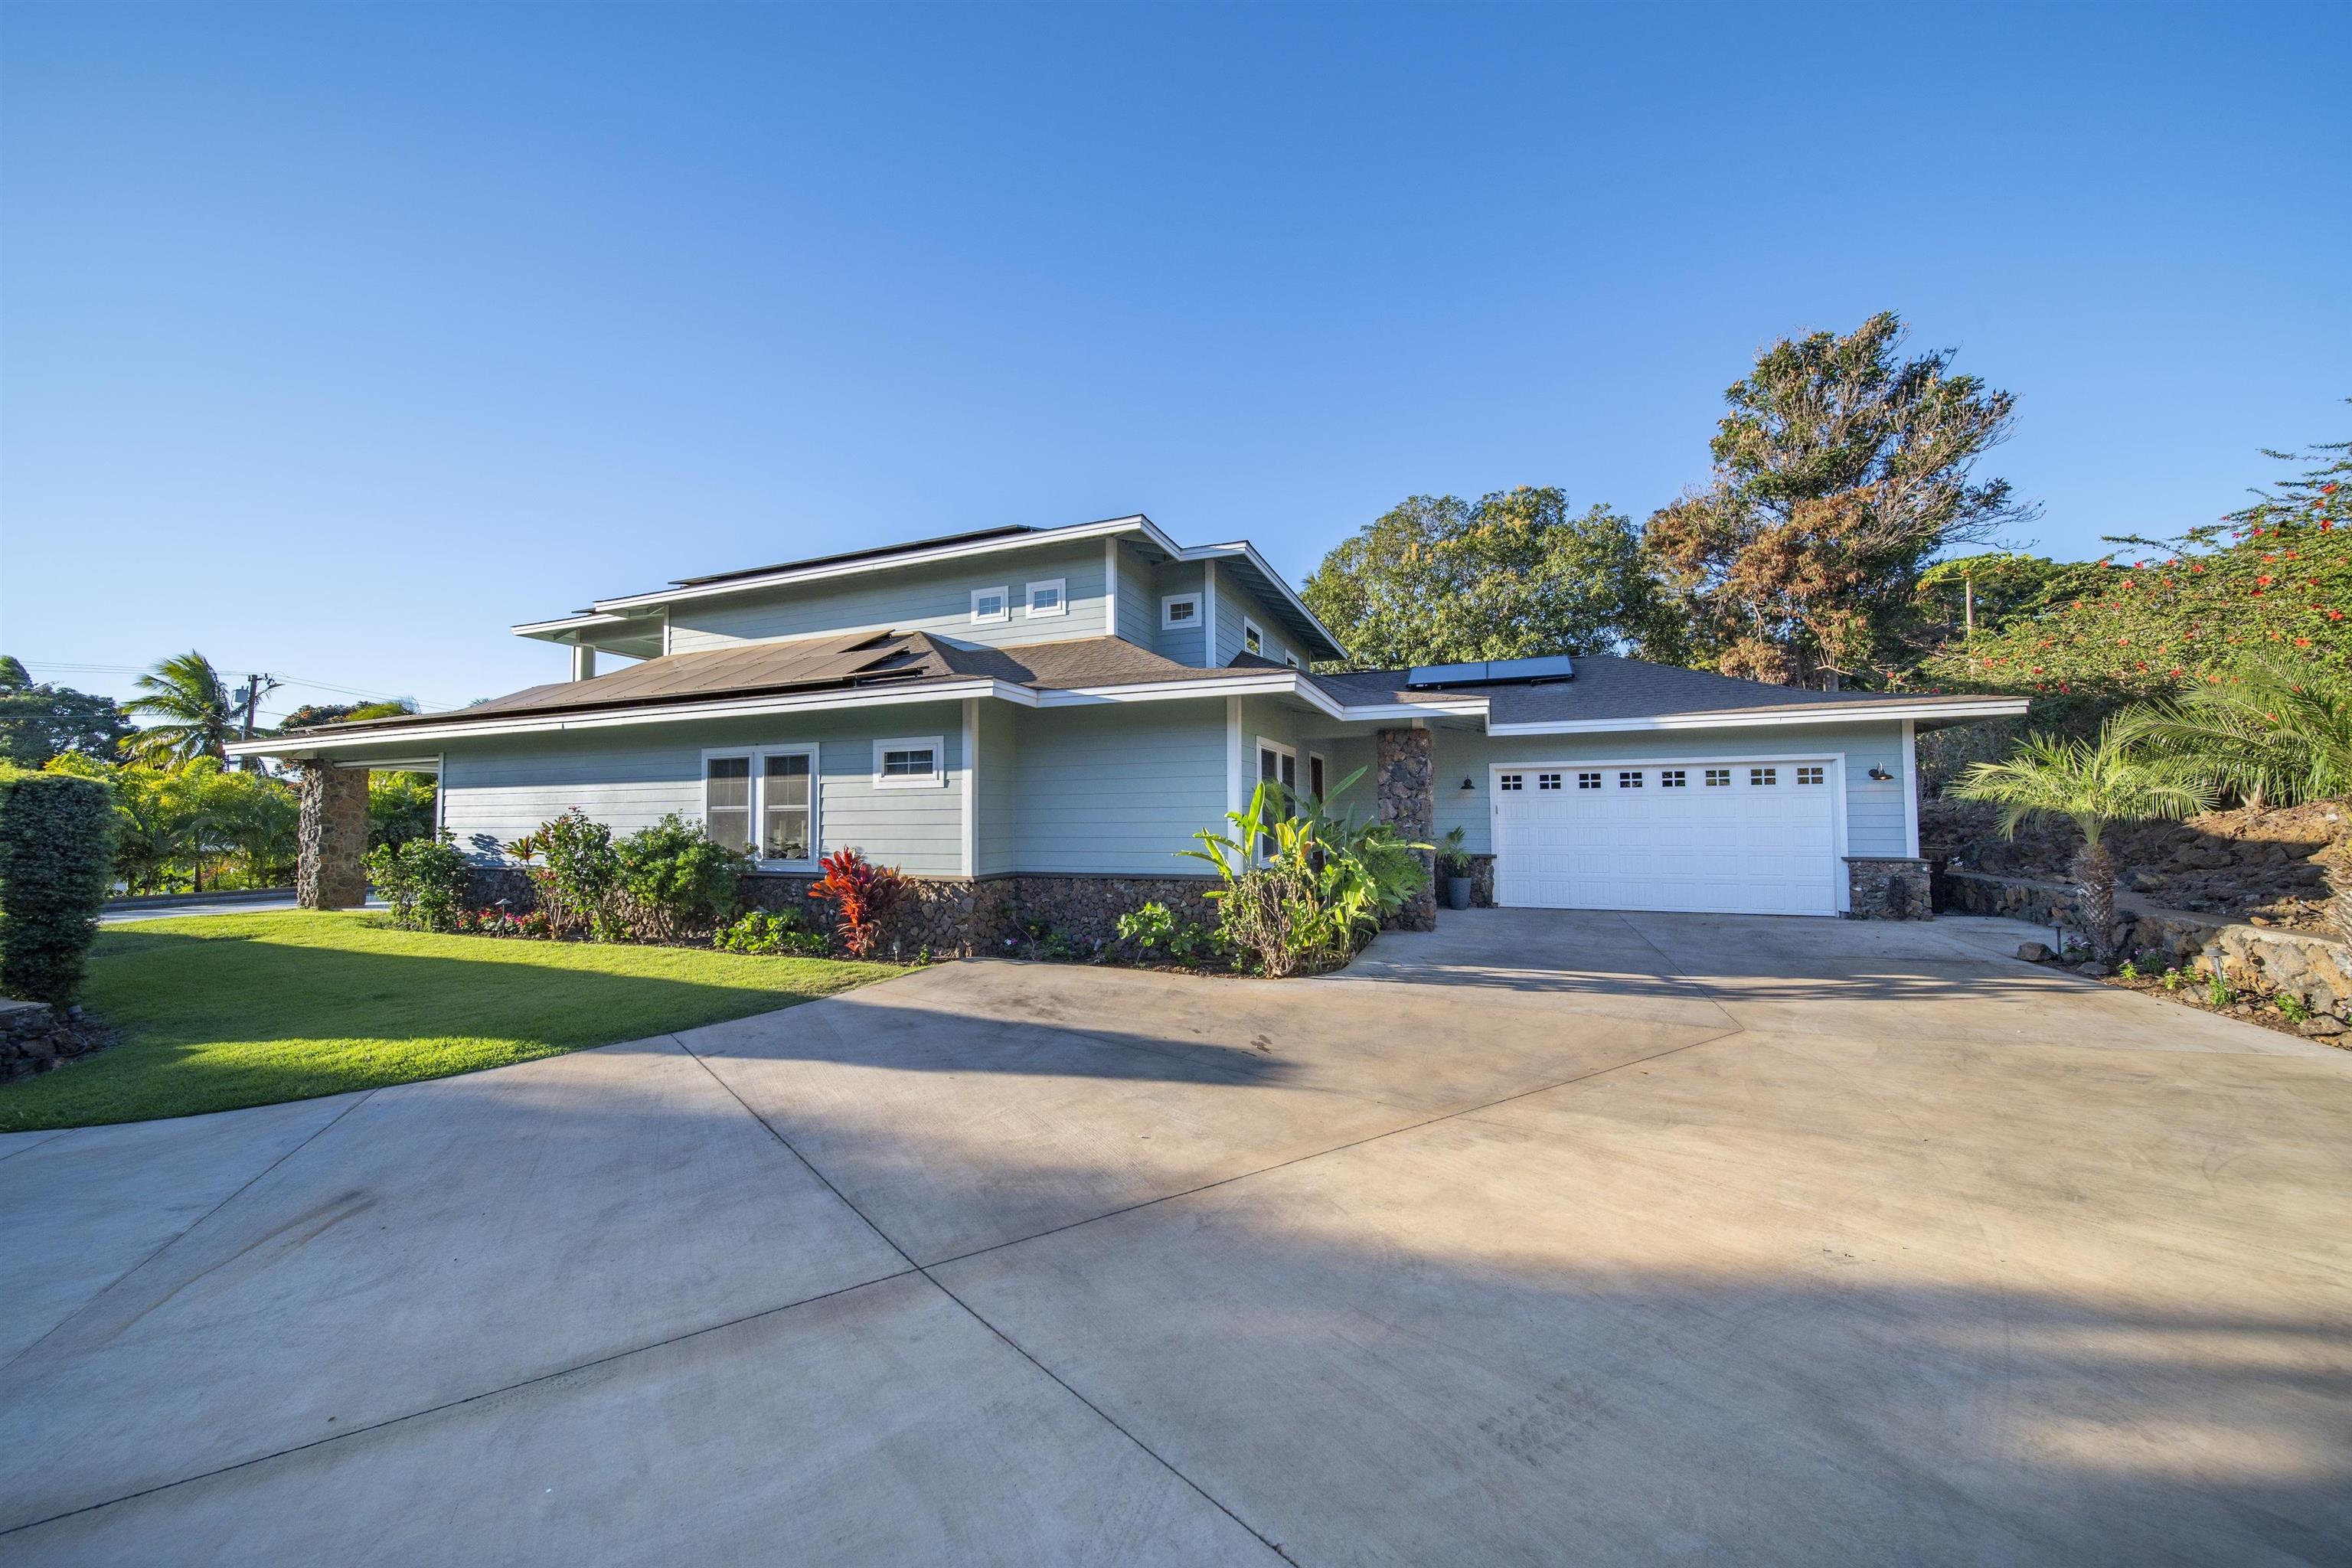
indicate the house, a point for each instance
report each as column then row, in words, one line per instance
column 1038, row 720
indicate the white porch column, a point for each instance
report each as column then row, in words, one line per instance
column 584, row 661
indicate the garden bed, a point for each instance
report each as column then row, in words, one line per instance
column 2190, row 989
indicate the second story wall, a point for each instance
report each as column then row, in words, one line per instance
column 934, row 598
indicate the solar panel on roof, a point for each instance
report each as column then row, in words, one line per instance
column 1493, row 671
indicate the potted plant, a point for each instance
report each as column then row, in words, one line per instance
column 1454, row 870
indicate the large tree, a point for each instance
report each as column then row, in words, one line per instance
column 1840, row 469
column 38, row 721
column 1437, row 579
column 195, row 713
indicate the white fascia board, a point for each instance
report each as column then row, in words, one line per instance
column 1043, row 537
column 735, row 707
column 556, row 630
column 1995, row 708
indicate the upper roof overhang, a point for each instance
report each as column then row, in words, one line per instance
column 607, row 618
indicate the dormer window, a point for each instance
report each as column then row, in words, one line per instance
column 991, row 605
column 1180, row 611
column 1048, row 599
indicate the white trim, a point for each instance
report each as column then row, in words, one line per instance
column 1209, row 613
column 1233, row 754
column 441, row 793
column 1029, row 610
column 664, row 634
column 757, row 756
column 980, row 618
column 970, row 785
column 1110, row 586
column 1827, row 713
column 1841, row 891
column 1907, row 775
column 936, row 744
column 1250, row 629
column 1169, row 600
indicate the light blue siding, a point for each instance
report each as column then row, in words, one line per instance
column 1139, row 608
column 1235, row 605
column 996, row 790
column 1875, row 818
column 1116, row 787
column 935, row 598
column 1309, row 733
column 497, row 789
column 1183, row 647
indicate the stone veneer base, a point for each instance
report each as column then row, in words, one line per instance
column 952, row 915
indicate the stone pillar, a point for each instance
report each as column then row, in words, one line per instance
column 334, row 837
column 1404, row 790
column 1888, row 887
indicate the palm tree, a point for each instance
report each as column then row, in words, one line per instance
column 2277, row 730
column 2091, row 784
column 199, row 715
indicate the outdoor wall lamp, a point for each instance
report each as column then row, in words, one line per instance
column 1882, row 775
column 1467, row 787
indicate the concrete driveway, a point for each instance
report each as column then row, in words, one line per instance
column 1547, row 1238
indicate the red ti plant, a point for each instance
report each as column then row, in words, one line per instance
column 863, row 895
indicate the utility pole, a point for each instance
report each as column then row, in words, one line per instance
column 254, row 692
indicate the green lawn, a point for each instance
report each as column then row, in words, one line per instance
column 223, row 1011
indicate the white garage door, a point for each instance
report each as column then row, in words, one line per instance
column 1730, row 837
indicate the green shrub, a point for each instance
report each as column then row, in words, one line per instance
column 761, row 931
column 675, row 881
column 2220, row 992
column 1153, row 928
column 56, row 851
column 1303, row 891
column 425, row 882
column 2293, row 1007
column 582, row 873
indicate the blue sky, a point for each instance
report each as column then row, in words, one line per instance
column 333, row 340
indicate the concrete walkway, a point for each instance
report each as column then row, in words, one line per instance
column 1544, row 1238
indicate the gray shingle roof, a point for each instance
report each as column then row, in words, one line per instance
column 1604, row 688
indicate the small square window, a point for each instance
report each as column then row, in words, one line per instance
column 1252, row 639
column 1763, row 778
column 1809, row 775
column 1719, row 778
column 991, row 605
column 1587, row 780
column 1513, row 781
column 1048, row 599
column 1547, row 781
column 1179, row 610
column 1629, row 780
column 1290, row 658
column 908, row 765
column 1671, row 778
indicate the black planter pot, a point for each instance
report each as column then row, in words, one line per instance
column 1458, row 892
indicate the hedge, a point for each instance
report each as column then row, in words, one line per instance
column 57, row 856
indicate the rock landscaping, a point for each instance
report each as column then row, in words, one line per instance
column 34, row 1038
column 2269, row 867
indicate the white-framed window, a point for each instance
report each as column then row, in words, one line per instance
column 1587, row 780
column 1048, row 599
column 1252, row 639
column 763, row 800
column 917, row 762
column 1180, row 611
column 1514, row 781
column 991, row 605
column 1719, row 778
column 1763, row 778
column 1673, row 778
column 1291, row 660
column 1809, row 775
column 1629, row 780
